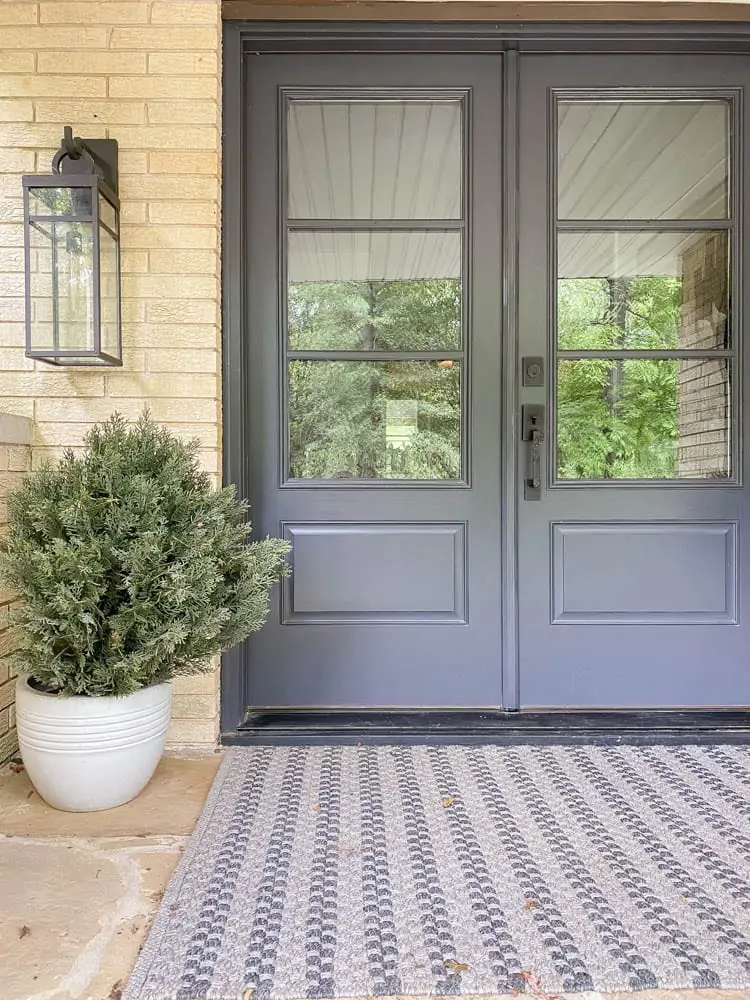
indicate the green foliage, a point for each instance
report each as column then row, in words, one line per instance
column 414, row 315
column 131, row 568
column 618, row 419
column 375, row 419
column 626, row 313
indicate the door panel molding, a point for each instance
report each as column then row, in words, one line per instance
column 713, row 598
column 427, row 561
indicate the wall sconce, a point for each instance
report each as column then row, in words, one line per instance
column 72, row 246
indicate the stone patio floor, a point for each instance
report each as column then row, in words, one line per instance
column 77, row 891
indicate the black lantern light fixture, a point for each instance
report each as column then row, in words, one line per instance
column 72, row 245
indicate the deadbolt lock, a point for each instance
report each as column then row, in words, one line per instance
column 533, row 371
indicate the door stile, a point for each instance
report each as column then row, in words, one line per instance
column 509, row 479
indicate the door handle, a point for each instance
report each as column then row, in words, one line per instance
column 532, row 432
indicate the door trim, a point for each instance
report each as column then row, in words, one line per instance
column 240, row 38
column 235, row 446
column 392, row 35
column 489, row 10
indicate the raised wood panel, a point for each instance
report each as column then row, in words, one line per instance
column 645, row 573
column 375, row 573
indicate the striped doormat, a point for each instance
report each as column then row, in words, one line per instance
column 383, row 871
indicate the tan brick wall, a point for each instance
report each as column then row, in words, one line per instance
column 15, row 462
column 146, row 72
column 703, row 402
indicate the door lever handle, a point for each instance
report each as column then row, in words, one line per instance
column 532, row 432
column 534, row 473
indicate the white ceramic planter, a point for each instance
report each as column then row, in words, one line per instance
column 85, row 754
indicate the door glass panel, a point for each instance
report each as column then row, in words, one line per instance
column 643, row 290
column 643, row 159
column 643, row 419
column 398, row 291
column 366, row 159
column 375, row 419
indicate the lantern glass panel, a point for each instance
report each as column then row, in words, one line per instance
column 62, row 286
column 108, row 291
column 47, row 201
column 107, row 214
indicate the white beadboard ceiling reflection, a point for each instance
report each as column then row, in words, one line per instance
column 375, row 160
column 642, row 160
column 402, row 160
column 337, row 256
column 624, row 254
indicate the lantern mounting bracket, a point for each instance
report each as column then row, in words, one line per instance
column 87, row 156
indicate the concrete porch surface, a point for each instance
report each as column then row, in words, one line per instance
column 78, row 891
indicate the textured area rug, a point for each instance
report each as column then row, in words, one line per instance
column 376, row 871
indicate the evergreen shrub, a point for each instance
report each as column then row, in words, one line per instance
column 130, row 567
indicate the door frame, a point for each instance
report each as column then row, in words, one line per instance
column 510, row 41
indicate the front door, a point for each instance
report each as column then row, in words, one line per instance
column 374, row 324
column 634, row 523
column 511, row 480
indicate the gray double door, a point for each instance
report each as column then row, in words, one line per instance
column 495, row 379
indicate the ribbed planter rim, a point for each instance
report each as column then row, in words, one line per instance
column 61, row 696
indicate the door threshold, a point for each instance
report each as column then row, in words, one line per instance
column 342, row 726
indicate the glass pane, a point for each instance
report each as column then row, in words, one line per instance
column 60, row 201
column 108, row 288
column 643, row 159
column 375, row 419
column 643, row 291
column 643, row 419
column 367, row 159
column 374, row 291
column 107, row 214
column 62, row 286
